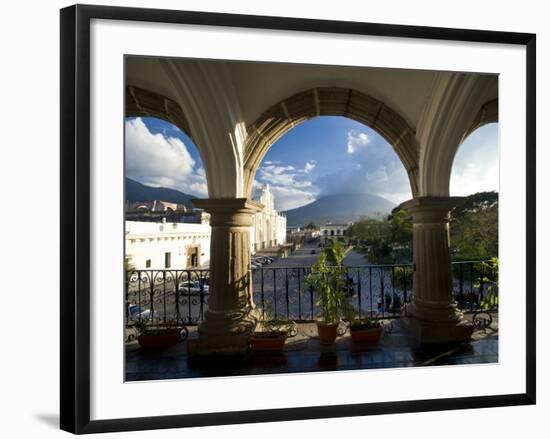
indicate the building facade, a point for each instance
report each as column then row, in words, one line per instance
column 268, row 226
column 331, row 231
column 186, row 244
column 160, row 245
column 299, row 235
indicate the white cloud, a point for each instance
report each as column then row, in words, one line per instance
column 309, row 166
column 357, row 141
column 372, row 167
column 279, row 174
column 287, row 198
column 476, row 166
column 161, row 160
column 287, row 182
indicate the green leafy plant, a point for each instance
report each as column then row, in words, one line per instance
column 489, row 270
column 356, row 322
column 364, row 323
column 403, row 277
column 328, row 277
column 273, row 326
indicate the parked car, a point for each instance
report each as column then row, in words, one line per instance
column 136, row 312
column 255, row 266
column 193, row 287
column 263, row 260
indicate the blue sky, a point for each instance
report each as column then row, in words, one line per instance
column 325, row 155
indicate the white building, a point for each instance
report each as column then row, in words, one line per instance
column 159, row 245
column 330, row 230
column 268, row 226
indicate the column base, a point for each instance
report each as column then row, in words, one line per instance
column 425, row 332
column 436, row 323
column 227, row 334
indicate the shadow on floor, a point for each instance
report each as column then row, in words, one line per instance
column 304, row 353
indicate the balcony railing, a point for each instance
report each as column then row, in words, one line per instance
column 378, row 291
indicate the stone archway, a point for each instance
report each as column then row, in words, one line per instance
column 460, row 104
column 145, row 103
column 486, row 115
column 330, row 101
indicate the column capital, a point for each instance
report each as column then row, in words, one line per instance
column 236, row 212
column 431, row 209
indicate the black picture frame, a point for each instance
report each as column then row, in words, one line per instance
column 75, row 217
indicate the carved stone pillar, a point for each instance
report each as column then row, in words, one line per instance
column 433, row 316
column 231, row 314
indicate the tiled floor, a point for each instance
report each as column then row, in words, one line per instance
column 304, row 353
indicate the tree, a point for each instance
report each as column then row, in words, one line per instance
column 474, row 227
column 400, row 224
column 311, row 226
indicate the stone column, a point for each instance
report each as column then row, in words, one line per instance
column 231, row 314
column 433, row 316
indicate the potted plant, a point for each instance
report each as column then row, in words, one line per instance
column 328, row 277
column 271, row 334
column 160, row 336
column 365, row 330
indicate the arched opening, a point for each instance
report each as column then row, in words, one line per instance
column 330, row 101
column 144, row 104
column 159, row 154
column 163, row 175
column 464, row 117
column 334, row 171
column 327, row 174
column 475, row 176
column 475, row 164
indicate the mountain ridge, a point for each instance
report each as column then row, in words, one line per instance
column 136, row 191
column 339, row 208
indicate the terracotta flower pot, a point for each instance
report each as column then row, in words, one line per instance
column 159, row 341
column 327, row 331
column 267, row 342
column 370, row 336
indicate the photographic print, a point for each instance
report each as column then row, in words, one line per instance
column 304, row 218
column 319, row 246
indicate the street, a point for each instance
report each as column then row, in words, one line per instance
column 300, row 258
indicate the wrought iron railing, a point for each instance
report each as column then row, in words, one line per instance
column 167, row 295
column 375, row 290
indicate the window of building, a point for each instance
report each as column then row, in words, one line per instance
column 167, row 260
column 148, row 263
